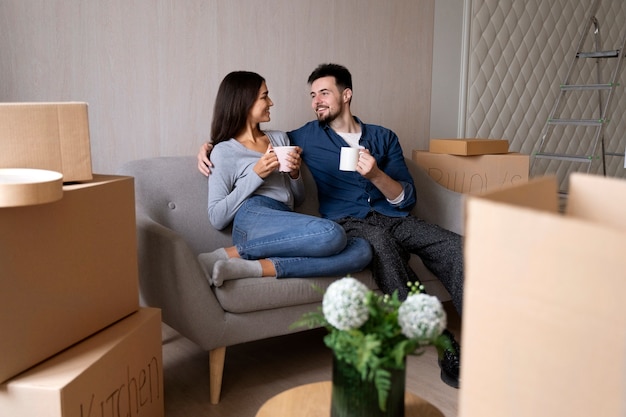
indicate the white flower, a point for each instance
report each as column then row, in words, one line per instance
column 344, row 304
column 422, row 317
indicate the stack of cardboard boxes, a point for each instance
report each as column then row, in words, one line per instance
column 473, row 166
column 73, row 339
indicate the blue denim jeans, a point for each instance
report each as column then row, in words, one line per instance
column 298, row 245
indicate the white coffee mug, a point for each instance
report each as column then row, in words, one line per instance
column 349, row 158
column 281, row 153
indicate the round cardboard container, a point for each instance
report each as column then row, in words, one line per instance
column 28, row 187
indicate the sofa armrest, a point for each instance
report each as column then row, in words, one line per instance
column 171, row 278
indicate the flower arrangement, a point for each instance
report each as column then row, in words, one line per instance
column 374, row 333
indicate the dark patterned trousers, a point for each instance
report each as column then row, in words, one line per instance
column 394, row 239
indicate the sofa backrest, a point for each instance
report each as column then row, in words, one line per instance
column 170, row 191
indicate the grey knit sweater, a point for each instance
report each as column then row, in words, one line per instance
column 233, row 180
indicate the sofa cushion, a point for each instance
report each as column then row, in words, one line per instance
column 254, row 294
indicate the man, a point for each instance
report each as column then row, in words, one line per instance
column 375, row 201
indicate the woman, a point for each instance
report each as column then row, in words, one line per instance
column 246, row 188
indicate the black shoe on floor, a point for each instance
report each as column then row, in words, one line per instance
column 450, row 362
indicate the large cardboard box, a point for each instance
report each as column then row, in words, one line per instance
column 544, row 329
column 474, row 174
column 117, row 372
column 67, row 270
column 51, row 136
column 468, row 147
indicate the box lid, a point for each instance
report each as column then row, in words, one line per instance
column 469, row 146
column 27, row 187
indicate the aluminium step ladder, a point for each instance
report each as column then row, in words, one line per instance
column 592, row 151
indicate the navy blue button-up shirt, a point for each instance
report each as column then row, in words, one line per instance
column 348, row 194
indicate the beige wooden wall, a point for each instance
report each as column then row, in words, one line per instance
column 149, row 69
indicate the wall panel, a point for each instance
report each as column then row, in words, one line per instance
column 149, row 69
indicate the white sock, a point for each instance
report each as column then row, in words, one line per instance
column 208, row 260
column 235, row 268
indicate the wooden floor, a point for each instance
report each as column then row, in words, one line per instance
column 254, row 372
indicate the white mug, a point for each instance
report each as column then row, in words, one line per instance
column 349, row 158
column 281, row 153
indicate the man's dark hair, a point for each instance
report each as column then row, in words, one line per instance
column 343, row 78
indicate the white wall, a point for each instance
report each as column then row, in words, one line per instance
column 149, row 69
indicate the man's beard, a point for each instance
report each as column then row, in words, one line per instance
column 327, row 118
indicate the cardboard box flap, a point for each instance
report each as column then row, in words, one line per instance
column 538, row 193
column 595, row 198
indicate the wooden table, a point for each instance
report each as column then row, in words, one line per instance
column 313, row 400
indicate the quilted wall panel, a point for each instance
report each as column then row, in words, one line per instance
column 519, row 52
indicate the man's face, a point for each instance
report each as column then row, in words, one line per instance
column 326, row 99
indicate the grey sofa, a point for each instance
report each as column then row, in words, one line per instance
column 173, row 228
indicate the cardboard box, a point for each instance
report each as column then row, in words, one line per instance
column 51, row 136
column 67, row 270
column 544, row 329
column 117, row 372
column 469, row 146
column 474, row 174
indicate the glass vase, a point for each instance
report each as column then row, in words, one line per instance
column 353, row 397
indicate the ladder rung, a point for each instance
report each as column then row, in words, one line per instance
column 573, row 158
column 599, row 54
column 569, row 87
column 577, row 122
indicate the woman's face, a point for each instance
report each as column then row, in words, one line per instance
column 260, row 111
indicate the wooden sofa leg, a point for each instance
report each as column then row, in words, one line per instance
column 216, row 370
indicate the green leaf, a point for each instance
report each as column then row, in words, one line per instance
column 382, row 381
column 310, row 320
column 443, row 343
